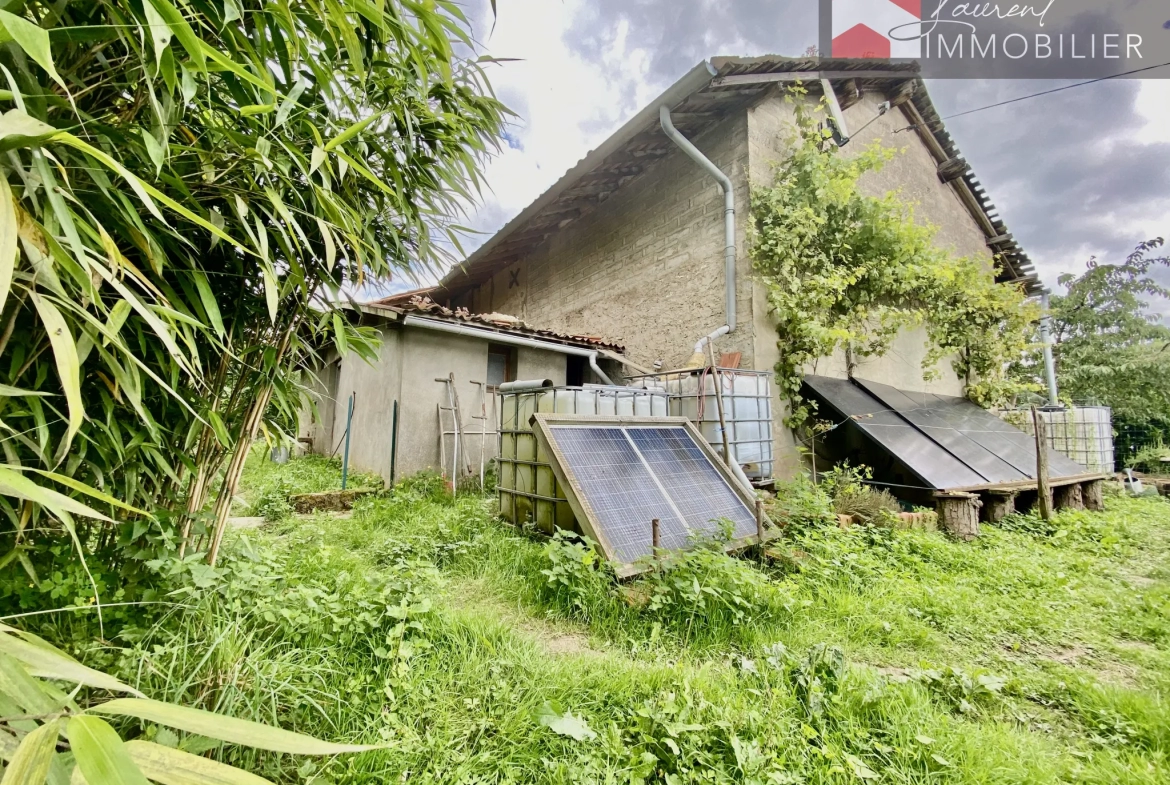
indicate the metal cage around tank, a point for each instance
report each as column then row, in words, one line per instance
column 528, row 489
column 747, row 411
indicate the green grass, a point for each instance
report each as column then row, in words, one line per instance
column 1039, row 654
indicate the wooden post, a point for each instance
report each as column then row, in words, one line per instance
column 1068, row 497
column 1094, row 495
column 999, row 505
column 655, row 536
column 760, row 524
column 1042, row 489
column 958, row 514
column 719, row 404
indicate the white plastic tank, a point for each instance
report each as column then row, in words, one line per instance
column 528, row 488
column 747, row 411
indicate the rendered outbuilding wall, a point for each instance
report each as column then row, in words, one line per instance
column 410, row 360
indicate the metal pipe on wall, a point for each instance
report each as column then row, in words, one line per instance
column 1049, row 362
column 728, row 208
column 511, row 340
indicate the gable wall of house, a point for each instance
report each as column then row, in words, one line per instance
column 912, row 174
column 644, row 269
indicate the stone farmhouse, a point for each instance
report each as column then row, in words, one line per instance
column 633, row 242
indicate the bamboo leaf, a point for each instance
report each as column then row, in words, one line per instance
column 290, row 102
column 47, row 662
column 15, row 392
column 30, row 764
column 34, row 40
column 16, row 485
column 255, row 109
column 68, row 366
column 100, row 754
column 209, row 304
column 271, row 291
column 170, row 766
column 160, row 32
column 229, row 729
column 81, row 487
column 8, row 237
column 187, row 37
column 351, row 132
column 221, row 431
column 339, row 333
column 330, row 247
column 316, row 158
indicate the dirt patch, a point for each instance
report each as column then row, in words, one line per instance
column 246, row 522
column 567, row 643
column 1139, row 581
column 330, row 501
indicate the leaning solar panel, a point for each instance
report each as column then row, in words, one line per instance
column 618, row 488
column 698, row 491
column 621, row 475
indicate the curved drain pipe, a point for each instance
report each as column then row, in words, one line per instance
column 411, row 320
column 685, row 145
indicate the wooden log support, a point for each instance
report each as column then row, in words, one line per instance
column 1068, row 497
column 958, row 514
column 999, row 505
column 1094, row 495
column 1042, row 487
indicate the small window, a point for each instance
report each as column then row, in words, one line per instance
column 501, row 364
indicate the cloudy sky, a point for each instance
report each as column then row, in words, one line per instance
column 1083, row 172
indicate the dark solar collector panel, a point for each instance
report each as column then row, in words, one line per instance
column 921, row 410
column 932, row 464
column 948, row 442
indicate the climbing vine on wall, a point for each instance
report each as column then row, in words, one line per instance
column 848, row 271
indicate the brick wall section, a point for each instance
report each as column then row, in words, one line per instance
column 645, row 269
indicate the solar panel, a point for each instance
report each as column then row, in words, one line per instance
column 932, row 464
column 948, row 442
column 619, row 474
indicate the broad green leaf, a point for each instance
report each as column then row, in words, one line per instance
column 231, row 11
column 351, row 132
column 160, row 31
column 100, row 754
column 271, row 291
column 157, row 153
column 15, row 125
column 17, row 685
column 330, row 247
column 254, row 109
column 68, row 366
column 81, row 487
column 7, row 391
column 47, row 662
column 187, row 37
column 221, row 431
column 316, row 158
column 339, row 333
column 290, row 102
column 170, row 766
column 564, row 723
column 209, row 304
column 8, row 236
column 30, row 764
column 229, row 729
column 34, row 40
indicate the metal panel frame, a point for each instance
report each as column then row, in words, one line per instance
column 543, row 422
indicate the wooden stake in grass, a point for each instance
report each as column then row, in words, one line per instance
column 655, row 537
column 1042, row 490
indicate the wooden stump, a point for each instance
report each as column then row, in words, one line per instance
column 958, row 514
column 999, row 505
column 1068, row 497
column 1094, row 495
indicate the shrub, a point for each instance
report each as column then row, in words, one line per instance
column 801, row 503
column 706, row 588
column 272, row 504
column 851, row 495
column 577, row 578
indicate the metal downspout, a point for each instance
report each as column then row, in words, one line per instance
column 1049, row 362
column 728, row 208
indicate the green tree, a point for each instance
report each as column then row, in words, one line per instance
column 1109, row 347
column 187, row 190
column 849, row 271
